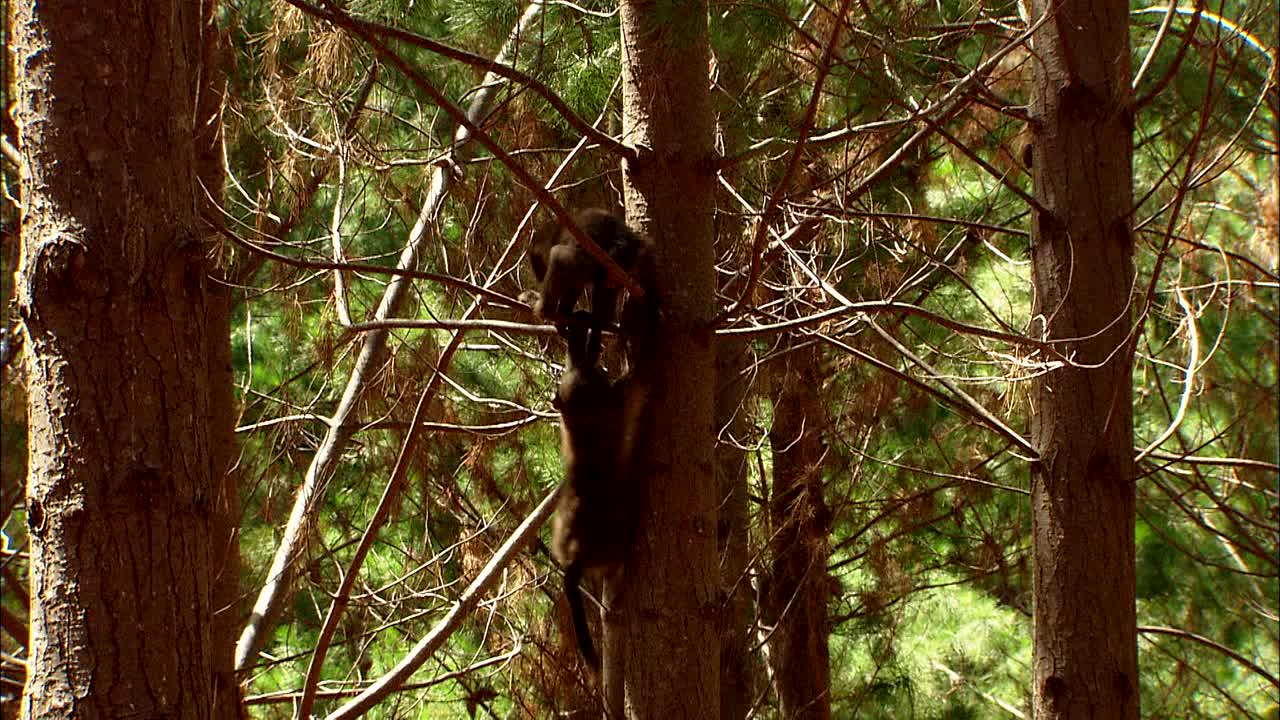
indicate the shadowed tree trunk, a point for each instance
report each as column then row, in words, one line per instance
column 798, row 589
column 114, row 297
column 1082, row 494
column 225, row 568
column 736, row 677
column 669, row 598
column 734, row 373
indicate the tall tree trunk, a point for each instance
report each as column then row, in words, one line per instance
column 736, row 677
column 798, row 589
column 669, row 598
column 225, row 559
column 1082, row 494
column 225, row 547
column 113, row 296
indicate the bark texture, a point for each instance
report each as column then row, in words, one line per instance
column 735, row 368
column 737, row 681
column 225, row 568
column 798, row 590
column 123, row 461
column 669, row 598
column 1085, row 644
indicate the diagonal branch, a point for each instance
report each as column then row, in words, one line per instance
column 342, row 597
column 1188, row 635
column 769, row 213
column 463, row 607
column 471, row 130
column 341, row 427
column 499, row 68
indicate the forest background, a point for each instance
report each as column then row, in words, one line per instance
column 862, row 535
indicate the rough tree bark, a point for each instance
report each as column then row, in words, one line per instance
column 737, row 679
column 798, row 590
column 1085, row 643
column 735, row 372
column 115, row 305
column 669, row 599
column 225, row 569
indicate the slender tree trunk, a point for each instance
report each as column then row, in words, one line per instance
column 1085, row 644
column 225, row 569
column 796, row 602
column 669, row 597
column 734, row 375
column 114, row 299
column 736, row 676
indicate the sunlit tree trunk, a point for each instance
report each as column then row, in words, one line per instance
column 1085, row 656
column 798, row 588
column 114, row 297
column 669, row 599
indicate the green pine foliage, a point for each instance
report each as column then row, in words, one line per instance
column 930, row 611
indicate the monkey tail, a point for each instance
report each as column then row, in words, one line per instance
column 573, row 593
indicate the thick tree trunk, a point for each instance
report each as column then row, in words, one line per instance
column 113, row 295
column 1085, row 656
column 798, row 590
column 669, row 598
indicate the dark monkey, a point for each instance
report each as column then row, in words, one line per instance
column 563, row 269
column 596, row 515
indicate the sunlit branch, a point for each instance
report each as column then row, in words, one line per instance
column 500, row 69
column 292, row 696
column 474, row 131
column 769, row 213
column 1189, row 376
column 1188, row 635
column 443, row 279
column 462, row 607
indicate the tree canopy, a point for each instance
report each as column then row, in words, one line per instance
column 385, row 166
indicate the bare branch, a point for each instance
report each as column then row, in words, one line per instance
column 1188, row 635
column 453, row 619
column 497, row 67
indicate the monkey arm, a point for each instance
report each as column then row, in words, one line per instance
column 568, row 270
